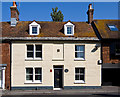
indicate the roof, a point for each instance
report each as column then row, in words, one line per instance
column 104, row 31
column 48, row 29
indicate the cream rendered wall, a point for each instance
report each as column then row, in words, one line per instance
column 92, row 69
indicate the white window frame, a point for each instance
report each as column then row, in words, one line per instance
column 80, row 52
column 69, row 24
column 34, row 52
column 38, row 74
column 33, row 81
column 28, row 74
column 34, row 24
column 80, row 81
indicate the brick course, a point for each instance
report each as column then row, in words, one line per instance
column 106, row 56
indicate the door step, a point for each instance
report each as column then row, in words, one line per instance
column 57, row 88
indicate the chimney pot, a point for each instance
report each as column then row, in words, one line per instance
column 14, row 4
column 90, row 6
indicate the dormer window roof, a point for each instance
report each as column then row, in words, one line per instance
column 34, row 28
column 69, row 29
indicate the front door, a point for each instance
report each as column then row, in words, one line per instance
column 58, row 77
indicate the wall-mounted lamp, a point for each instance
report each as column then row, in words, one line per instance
column 97, row 46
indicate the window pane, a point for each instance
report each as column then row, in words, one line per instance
column 69, row 30
column 79, row 55
column 34, row 30
column 30, row 47
column 76, row 77
column 30, row 54
column 113, row 28
column 38, row 77
column 82, row 70
column 37, row 70
column 79, row 48
column 76, row 70
column 38, row 47
column 29, row 77
column 29, row 71
column 81, row 77
column 39, row 54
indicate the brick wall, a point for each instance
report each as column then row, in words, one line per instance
column 5, row 59
column 106, row 56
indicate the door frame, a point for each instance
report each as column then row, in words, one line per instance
column 62, row 77
column 2, row 77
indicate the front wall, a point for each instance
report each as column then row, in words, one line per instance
column 106, row 56
column 5, row 59
column 92, row 69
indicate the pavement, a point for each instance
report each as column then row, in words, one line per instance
column 104, row 90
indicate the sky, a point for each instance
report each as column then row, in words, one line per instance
column 74, row 11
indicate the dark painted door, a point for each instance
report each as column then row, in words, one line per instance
column 58, row 78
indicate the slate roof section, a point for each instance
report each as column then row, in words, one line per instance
column 48, row 29
column 104, row 31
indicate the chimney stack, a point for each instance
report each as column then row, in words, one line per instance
column 90, row 13
column 14, row 14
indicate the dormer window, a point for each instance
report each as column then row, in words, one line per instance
column 69, row 29
column 34, row 28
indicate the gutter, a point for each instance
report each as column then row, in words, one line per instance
column 49, row 38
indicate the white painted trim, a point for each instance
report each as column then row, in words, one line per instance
column 50, row 38
column 79, row 59
column 57, row 88
column 34, row 24
column 3, row 77
column 69, row 24
column 79, row 82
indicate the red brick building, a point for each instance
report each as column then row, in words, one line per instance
column 108, row 32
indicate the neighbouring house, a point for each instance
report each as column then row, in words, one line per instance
column 49, row 55
column 108, row 31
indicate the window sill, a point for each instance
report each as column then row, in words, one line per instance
column 55, row 59
column 79, row 82
column 69, row 34
column 79, row 59
column 33, row 83
column 35, row 34
column 30, row 59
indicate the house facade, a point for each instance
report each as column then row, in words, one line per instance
column 58, row 55
column 108, row 31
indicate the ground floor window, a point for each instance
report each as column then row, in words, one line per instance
column 80, row 75
column 34, row 74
